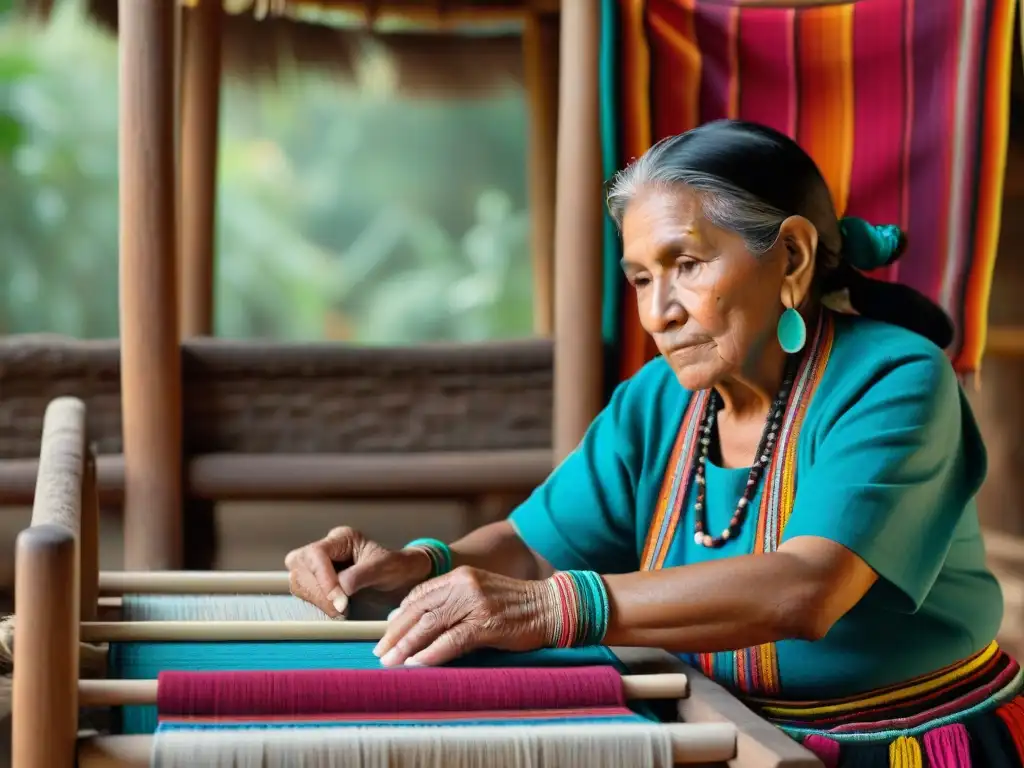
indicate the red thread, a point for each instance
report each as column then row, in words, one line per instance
column 308, row 692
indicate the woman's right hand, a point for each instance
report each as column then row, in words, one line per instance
column 312, row 574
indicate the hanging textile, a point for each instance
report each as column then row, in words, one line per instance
column 903, row 104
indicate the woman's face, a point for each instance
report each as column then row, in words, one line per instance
column 711, row 306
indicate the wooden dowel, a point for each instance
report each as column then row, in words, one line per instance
column 115, row 752
column 701, row 743
column 117, row 693
column 660, row 686
column 116, row 583
column 228, row 631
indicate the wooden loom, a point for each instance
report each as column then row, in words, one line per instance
column 60, row 594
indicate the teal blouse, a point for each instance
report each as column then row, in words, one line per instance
column 888, row 462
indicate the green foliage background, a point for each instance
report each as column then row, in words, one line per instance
column 343, row 212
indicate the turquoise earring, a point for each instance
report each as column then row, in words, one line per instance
column 792, row 331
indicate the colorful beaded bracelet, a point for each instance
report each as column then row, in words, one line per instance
column 582, row 617
column 439, row 553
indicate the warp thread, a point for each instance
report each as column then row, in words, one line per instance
column 371, row 605
column 564, row 746
column 218, row 608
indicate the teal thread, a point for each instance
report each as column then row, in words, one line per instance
column 868, row 247
column 440, row 555
column 791, row 331
column 613, row 279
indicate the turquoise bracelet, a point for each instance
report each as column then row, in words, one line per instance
column 439, row 553
column 582, row 598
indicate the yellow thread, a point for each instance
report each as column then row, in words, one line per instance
column 905, row 752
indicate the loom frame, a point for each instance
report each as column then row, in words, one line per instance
column 58, row 587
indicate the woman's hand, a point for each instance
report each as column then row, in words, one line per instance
column 313, row 575
column 464, row 610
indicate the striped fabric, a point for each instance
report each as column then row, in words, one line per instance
column 752, row 671
column 968, row 714
column 511, row 695
column 902, row 103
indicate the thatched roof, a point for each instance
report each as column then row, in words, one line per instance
column 439, row 47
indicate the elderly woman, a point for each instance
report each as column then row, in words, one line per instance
column 784, row 498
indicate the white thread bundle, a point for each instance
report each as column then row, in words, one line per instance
column 219, row 608
column 595, row 745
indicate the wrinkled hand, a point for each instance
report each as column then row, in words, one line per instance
column 464, row 610
column 313, row 578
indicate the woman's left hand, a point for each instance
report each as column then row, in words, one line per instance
column 464, row 610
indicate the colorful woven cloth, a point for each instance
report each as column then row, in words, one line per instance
column 380, row 691
column 491, row 716
column 967, row 715
column 188, row 703
column 903, row 104
column 386, row 698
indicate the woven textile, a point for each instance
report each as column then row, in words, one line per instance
column 903, row 104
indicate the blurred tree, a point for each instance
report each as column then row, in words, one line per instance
column 342, row 210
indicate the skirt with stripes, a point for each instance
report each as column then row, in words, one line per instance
column 968, row 715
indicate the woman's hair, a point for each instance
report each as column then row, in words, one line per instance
column 750, row 179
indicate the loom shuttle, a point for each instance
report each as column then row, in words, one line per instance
column 700, row 743
column 117, row 693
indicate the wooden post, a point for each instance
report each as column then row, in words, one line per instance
column 199, row 105
column 60, row 477
column 150, row 355
column 540, row 60
column 200, row 119
column 579, row 367
column 45, row 696
column 89, row 540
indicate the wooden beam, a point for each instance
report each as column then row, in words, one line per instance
column 150, row 356
column 295, row 477
column 540, row 59
column 200, row 122
column 579, row 364
column 441, row 14
column 1005, row 341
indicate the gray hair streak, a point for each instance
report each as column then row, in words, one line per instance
column 724, row 204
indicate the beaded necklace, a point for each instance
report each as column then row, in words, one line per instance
column 765, row 449
column 754, row 670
